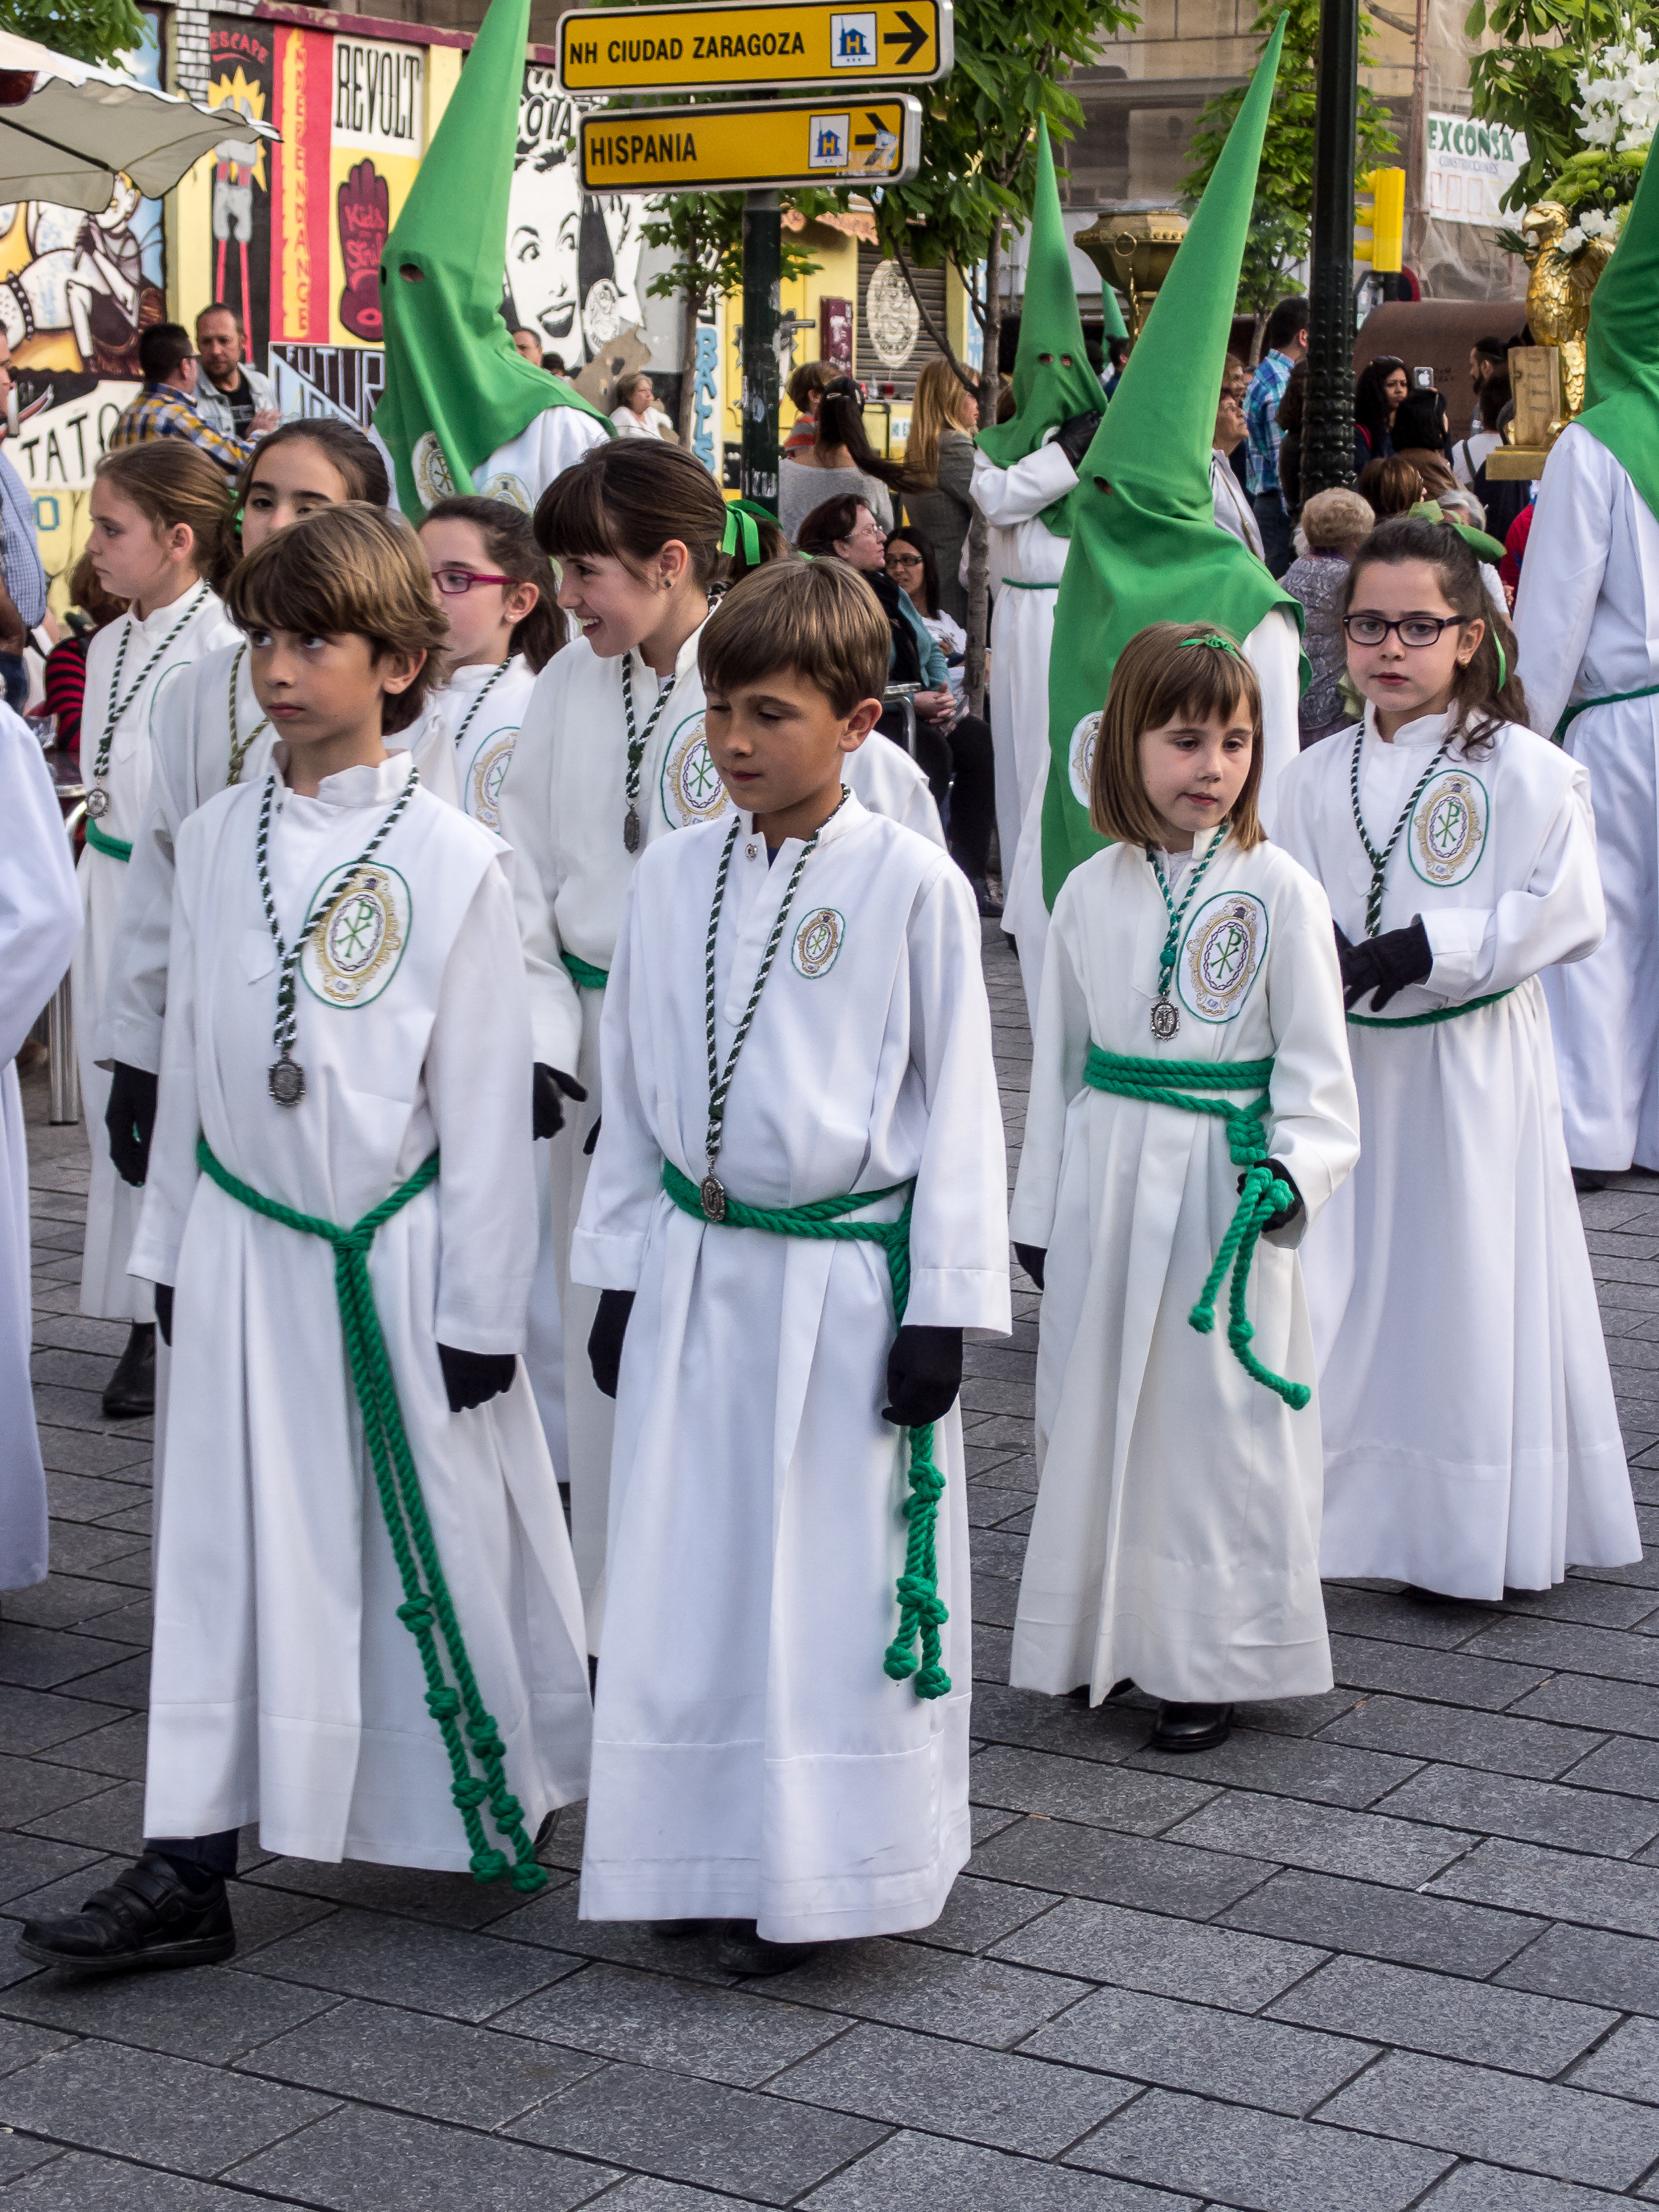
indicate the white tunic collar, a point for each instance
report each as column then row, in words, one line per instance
column 847, row 817
column 467, row 682
column 1427, row 731
column 685, row 659
column 155, row 627
column 362, row 786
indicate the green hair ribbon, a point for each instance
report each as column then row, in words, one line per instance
column 739, row 520
column 1216, row 642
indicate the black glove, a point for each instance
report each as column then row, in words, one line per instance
column 1074, row 438
column 546, row 1109
column 1384, row 964
column 1033, row 1258
column 164, row 1312
column 1283, row 1213
column 924, row 1374
column 129, row 1118
column 470, row 1377
column 604, row 1339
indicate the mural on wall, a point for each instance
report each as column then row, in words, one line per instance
column 363, row 214
column 572, row 259
column 239, row 81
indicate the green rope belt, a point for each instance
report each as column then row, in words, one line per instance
column 583, row 974
column 1427, row 1021
column 1019, row 583
column 112, row 848
column 1153, row 1081
column 1570, row 714
column 426, row 1592
column 921, row 1610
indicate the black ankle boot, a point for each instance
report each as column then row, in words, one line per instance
column 1191, row 1728
column 148, row 1917
column 743, row 1950
column 130, row 1391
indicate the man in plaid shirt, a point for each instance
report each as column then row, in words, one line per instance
column 1287, row 345
column 164, row 409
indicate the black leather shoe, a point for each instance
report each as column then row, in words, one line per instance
column 130, row 1391
column 683, row 1931
column 1589, row 1179
column 1191, row 1728
column 147, row 1917
column 989, row 905
column 742, row 1950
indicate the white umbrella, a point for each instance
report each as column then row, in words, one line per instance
column 76, row 127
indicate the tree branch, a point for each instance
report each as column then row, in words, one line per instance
column 940, row 338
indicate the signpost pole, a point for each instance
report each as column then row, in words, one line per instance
column 763, row 262
column 1327, row 423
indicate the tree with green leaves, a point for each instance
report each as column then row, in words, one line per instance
column 1283, row 214
column 1530, row 82
column 89, row 31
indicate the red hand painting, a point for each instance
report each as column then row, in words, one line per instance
column 363, row 204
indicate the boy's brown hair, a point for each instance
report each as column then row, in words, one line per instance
column 348, row 570
column 1170, row 672
column 817, row 619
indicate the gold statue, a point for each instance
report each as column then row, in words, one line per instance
column 1559, row 291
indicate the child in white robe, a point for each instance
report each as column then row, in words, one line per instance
column 767, row 1750
column 612, row 755
column 1190, row 1094
column 1470, row 1440
column 367, row 1630
column 157, row 513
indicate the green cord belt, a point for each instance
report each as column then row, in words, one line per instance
column 921, row 1610
column 112, row 848
column 426, row 1592
column 1570, row 714
column 1427, row 1021
column 583, row 974
column 1262, row 1195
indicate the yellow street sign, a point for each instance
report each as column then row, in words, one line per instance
column 774, row 43
column 763, row 146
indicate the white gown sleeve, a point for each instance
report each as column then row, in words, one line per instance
column 1561, row 574
column 1314, row 1127
column 478, row 1087
column 1008, row 496
column 1273, row 649
column 136, row 999
column 39, row 902
column 527, row 825
column 170, row 1183
column 625, row 1180
column 884, row 778
column 1059, row 1046
column 959, row 1212
column 1557, row 914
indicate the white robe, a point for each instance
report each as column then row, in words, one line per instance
column 1588, row 618
column 562, row 811
column 1470, row 1440
column 40, row 922
column 1273, row 649
column 190, row 760
column 520, row 470
column 1233, row 511
column 285, row 1688
column 107, row 1287
column 1176, row 1539
column 752, row 1759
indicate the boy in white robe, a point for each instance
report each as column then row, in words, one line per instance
column 768, row 1751
column 367, row 1632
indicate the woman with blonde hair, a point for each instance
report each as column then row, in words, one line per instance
column 943, row 416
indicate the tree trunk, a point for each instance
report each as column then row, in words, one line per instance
column 689, row 367
column 978, row 536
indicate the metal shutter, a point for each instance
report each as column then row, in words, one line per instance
column 870, row 369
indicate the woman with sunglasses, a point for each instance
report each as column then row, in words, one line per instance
column 1472, row 1444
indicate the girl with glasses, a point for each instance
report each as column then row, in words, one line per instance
column 1471, row 1442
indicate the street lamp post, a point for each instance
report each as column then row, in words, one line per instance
column 1328, row 424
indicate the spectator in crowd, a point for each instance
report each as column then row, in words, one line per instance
column 65, row 676
column 1378, row 390
column 167, row 406
column 807, row 387
column 1287, row 345
column 1422, row 435
column 636, row 414
column 1233, row 511
column 1117, row 353
column 1488, row 357
column 552, row 363
column 1515, row 547
column 529, row 343
column 940, row 455
column 1391, row 486
column 1335, row 524
column 234, row 398
column 954, row 750
column 1469, row 454
column 1501, row 498
column 23, row 580
column 1291, row 409
column 840, row 460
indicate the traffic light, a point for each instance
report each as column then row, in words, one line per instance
column 1380, row 212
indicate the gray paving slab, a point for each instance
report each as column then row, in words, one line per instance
column 1576, row 1819
column 1497, row 1742
column 1082, row 1789
column 440, row 1970
column 1416, row 2010
column 1313, row 1767
column 1167, row 1958
column 979, row 1913
column 1119, row 1869
column 1473, row 2187
column 1384, row 1924
column 1592, row 1966
column 213, row 2016
column 1324, row 1838
column 1562, row 1884
column 78, row 2182
column 987, row 2000
column 362, row 2160
column 921, row 2173
column 722, row 2035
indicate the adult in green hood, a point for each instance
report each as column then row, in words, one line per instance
column 1590, row 664
column 462, row 409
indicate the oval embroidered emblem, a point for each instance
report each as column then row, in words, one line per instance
column 1448, row 829
column 431, row 470
column 1222, row 955
column 1080, row 757
column 354, row 950
column 691, row 787
column 817, row 942
column 513, row 489
column 486, row 774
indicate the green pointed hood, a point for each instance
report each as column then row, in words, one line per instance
column 1144, row 545
column 1621, row 365
column 1111, row 312
column 1046, row 391
column 452, row 372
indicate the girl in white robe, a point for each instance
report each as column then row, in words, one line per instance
column 1471, row 1444
column 39, row 921
column 1176, row 1537
column 157, row 511
column 754, row 1759
column 637, row 528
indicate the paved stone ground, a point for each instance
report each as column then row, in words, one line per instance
column 1398, row 1946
